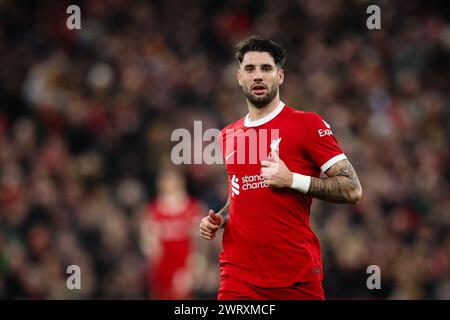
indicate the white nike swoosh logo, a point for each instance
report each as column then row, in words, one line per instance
column 228, row 156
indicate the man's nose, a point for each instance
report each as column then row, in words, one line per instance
column 257, row 76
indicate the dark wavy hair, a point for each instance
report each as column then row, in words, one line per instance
column 261, row 44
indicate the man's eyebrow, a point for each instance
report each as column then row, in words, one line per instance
column 264, row 65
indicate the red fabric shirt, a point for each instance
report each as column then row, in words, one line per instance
column 175, row 235
column 268, row 240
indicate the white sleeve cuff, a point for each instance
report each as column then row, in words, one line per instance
column 300, row 182
column 327, row 165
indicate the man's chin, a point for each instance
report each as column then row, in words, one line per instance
column 260, row 101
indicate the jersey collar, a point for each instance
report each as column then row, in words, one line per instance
column 265, row 119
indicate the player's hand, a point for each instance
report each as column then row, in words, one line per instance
column 210, row 224
column 275, row 172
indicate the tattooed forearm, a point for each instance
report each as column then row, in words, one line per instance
column 225, row 212
column 341, row 185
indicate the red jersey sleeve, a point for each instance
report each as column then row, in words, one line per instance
column 321, row 146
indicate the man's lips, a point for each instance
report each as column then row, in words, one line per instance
column 258, row 89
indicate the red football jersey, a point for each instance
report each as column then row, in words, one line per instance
column 175, row 235
column 268, row 240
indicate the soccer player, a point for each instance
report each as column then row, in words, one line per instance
column 167, row 238
column 269, row 249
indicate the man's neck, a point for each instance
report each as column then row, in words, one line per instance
column 258, row 113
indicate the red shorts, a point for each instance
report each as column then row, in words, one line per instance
column 233, row 289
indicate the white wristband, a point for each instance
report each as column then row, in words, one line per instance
column 300, row 182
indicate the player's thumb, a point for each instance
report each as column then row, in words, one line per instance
column 214, row 217
column 275, row 157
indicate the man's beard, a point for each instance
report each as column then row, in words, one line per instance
column 261, row 101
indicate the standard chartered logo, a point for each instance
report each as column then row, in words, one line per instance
column 253, row 182
column 246, row 183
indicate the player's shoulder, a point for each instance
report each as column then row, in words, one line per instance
column 239, row 124
column 303, row 116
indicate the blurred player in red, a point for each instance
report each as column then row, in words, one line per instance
column 269, row 248
column 168, row 232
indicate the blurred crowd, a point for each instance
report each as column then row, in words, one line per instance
column 86, row 118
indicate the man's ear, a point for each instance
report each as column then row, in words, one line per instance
column 280, row 76
column 239, row 76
